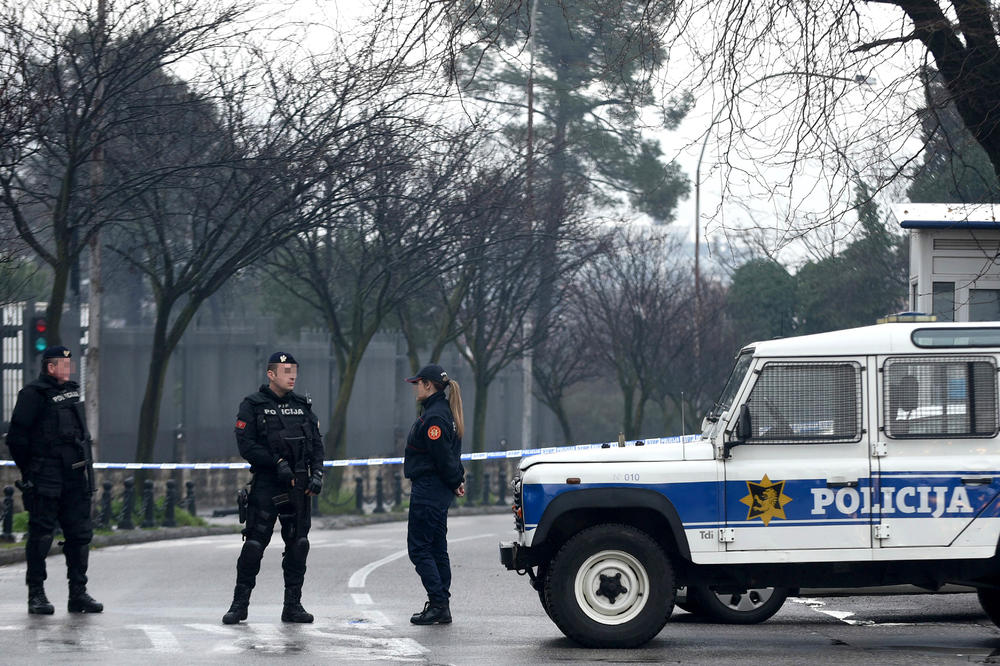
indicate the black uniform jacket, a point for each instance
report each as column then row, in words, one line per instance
column 433, row 446
column 262, row 417
column 45, row 427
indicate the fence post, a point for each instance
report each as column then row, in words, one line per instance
column 379, row 496
column 359, row 494
column 468, row 491
column 486, row 489
column 147, row 504
column 8, row 514
column 398, row 490
column 168, row 504
column 189, row 485
column 106, row 505
column 502, row 484
column 125, row 520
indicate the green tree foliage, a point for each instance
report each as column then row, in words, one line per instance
column 761, row 301
column 955, row 167
column 864, row 282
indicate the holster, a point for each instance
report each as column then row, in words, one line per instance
column 243, row 503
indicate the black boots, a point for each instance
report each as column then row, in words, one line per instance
column 293, row 610
column 80, row 601
column 38, row 603
column 241, row 601
column 434, row 612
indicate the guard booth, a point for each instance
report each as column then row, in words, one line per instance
column 954, row 255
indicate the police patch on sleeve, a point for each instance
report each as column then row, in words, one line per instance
column 241, row 425
column 434, row 432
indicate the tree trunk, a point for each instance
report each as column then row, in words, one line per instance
column 336, row 436
column 479, row 432
column 57, row 298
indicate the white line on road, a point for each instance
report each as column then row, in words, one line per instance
column 362, row 599
column 359, row 577
column 160, row 637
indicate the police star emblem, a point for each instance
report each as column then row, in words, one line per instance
column 766, row 500
column 282, row 358
column 66, row 353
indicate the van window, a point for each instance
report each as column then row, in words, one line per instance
column 806, row 403
column 952, row 396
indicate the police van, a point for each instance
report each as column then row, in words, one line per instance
column 855, row 458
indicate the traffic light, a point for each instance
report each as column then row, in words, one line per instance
column 37, row 334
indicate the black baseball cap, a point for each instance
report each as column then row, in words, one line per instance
column 57, row 352
column 432, row 373
column 282, row 357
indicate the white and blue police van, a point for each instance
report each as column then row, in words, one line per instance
column 855, row 458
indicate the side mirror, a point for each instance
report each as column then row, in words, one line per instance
column 744, row 430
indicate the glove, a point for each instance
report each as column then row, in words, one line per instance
column 28, row 495
column 285, row 474
column 316, row 482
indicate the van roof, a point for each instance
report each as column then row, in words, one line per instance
column 894, row 338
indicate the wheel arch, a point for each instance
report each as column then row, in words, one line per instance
column 642, row 508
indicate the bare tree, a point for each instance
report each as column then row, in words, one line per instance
column 637, row 299
column 817, row 95
column 68, row 76
column 388, row 239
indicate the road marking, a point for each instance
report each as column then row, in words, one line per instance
column 160, row 637
column 362, row 599
column 843, row 616
column 359, row 577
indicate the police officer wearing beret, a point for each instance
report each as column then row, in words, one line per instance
column 432, row 463
column 49, row 442
column 278, row 434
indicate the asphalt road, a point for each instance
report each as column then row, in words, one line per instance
column 165, row 601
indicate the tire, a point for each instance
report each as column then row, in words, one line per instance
column 989, row 599
column 610, row 586
column 542, row 576
column 751, row 607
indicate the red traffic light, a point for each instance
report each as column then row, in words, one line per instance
column 40, row 325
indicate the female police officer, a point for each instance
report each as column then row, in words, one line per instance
column 432, row 463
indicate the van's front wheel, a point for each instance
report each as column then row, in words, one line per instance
column 610, row 586
column 989, row 599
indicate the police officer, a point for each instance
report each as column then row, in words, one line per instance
column 49, row 442
column 278, row 434
column 432, row 462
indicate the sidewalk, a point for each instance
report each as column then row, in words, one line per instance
column 230, row 525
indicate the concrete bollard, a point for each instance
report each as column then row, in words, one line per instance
column 8, row 515
column 379, row 497
column 190, row 497
column 398, row 490
column 168, row 504
column 105, row 520
column 359, row 494
column 486, row 489
column 147, row 504
column 125, row 520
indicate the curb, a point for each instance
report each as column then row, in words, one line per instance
column 140, row 535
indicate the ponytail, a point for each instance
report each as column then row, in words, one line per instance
column 455, row 402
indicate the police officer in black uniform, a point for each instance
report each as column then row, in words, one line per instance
column 432, row 462
column 278, row 434
column 49, row 442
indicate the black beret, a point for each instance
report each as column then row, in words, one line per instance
column 282, row 357
column 57, row 352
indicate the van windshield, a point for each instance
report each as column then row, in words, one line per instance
column 732, row 385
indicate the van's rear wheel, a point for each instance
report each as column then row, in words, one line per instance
column 747, row 607
column 610, row 586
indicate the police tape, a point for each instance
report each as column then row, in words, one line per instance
column 364, row 462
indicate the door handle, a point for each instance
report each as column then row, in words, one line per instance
column 841, row 482
column 977, row 480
